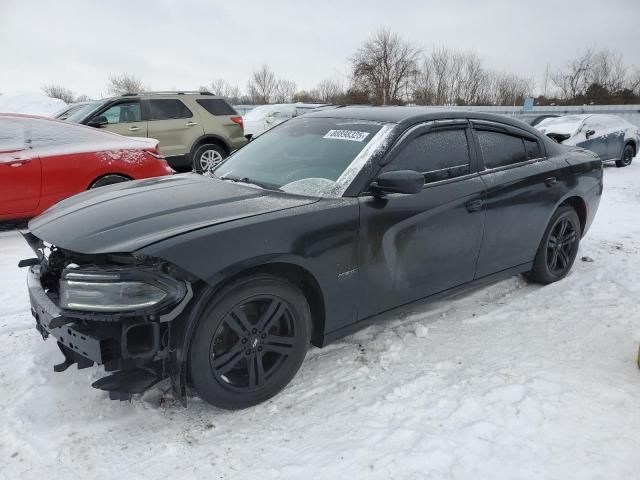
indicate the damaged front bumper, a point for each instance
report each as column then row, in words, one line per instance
column 136, row 348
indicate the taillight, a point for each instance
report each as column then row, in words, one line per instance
column 239, row 121
column 155, row 154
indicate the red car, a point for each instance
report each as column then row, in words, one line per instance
column 43, row 161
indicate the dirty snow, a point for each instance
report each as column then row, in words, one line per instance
column 31, row 103
column 513, row 380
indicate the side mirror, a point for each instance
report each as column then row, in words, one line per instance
column 401, row 181
column 98, row 122
column 589, row 133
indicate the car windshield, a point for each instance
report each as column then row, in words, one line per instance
column 308, row 156
column 81, row 113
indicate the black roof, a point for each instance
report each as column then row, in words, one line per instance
column 412, row 115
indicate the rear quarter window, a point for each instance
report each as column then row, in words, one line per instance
column 217, row 106
column 168, row 109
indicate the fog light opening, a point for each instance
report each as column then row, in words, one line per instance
column 140, row 340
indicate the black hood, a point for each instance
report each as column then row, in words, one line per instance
column 131, row 215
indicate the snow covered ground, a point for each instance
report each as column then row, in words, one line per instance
column 511, row 381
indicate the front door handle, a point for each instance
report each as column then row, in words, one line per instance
column 18, row 162
column 134, row 129
column 192, row 124
column 475, row 205
column 550, row 182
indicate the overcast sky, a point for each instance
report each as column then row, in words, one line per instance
column 174, row 44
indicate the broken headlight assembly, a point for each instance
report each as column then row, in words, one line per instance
column 125, row 290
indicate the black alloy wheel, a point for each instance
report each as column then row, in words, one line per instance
column 560, row 245
column 627, row 156
column 558, row 248
column 250, row 341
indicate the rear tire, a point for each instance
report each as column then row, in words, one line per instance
column 558, row 248
column 627, row 156
column 250, row 341
column 108, row 180
column 207, row 157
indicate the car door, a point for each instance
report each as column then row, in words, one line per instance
column 592, row 137
column 522, row 190
column 615, row 136
column 123, row 117
column 20, row 171
column 173, row 124
column 413, row 246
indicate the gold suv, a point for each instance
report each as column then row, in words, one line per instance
column 195, row 129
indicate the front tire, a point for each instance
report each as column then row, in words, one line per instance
column 250, row 342
column 558, row 248
column 627, row 157
column 207, row 157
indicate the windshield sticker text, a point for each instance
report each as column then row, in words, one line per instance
column 353, row 135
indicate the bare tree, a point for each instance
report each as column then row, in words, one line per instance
column 59, row 92
column 124, row 83
column 448, row 77
column 222, row 88
column 385, row 66
column 608, row 70
column 510, row 89
column 575, row 78
column 284, row 91
column 329, row 91
column 262, row 85
column 633, row 83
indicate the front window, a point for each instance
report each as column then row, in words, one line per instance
column 309, row 156
column 126, row 112
column 82, row 112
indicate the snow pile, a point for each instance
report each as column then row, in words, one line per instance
column 31, row 103
column 513, row 380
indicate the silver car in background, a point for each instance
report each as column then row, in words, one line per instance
column 610, row 137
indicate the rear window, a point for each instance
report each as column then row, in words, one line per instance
column 217, row 106
column 500, row 150
column 167, row 109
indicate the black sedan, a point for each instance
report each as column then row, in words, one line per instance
column 220, row 282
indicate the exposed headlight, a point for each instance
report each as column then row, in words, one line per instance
column 126, row 289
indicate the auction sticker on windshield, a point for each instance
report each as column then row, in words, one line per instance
column 353, row 135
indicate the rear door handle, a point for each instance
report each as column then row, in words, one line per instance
column 134, row 129
column 550, row 182
column 192, row 124
column 475, row 205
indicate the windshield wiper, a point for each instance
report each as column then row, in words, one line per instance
column 238, row 179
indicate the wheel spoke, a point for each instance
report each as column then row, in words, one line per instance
column 228, row 360
column 564, row 257
column 563, row 227
column 273, row 313
column 238, row 322
column 279, row 344
column 553, row 241
column 553, row 262
column 256, row 371
column 569, row 238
